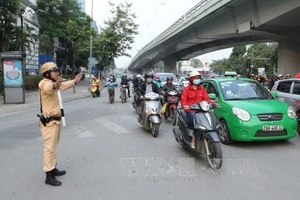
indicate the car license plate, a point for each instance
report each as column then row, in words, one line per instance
column 272, row 128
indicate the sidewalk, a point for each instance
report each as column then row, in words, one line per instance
column 32, row 98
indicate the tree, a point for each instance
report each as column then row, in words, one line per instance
column 12, row 36
column 237, row 60
column 117, row 36
column 263, row 55
column 196, row 63
column 63, row 19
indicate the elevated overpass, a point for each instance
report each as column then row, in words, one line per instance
column 217, row 24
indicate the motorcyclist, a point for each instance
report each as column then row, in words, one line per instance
column 168, row 86
column 192, row 94
column 146, row 87
column 125, row 81
column 112, row 85
column 157, row 81
column 95, row 85
column 136, row 83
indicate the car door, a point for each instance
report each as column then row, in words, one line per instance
column 284, row 89
column 295, row 96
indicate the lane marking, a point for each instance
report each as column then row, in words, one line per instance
column 112, row 126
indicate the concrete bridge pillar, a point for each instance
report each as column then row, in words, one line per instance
column 170, row 65
column 288, row 58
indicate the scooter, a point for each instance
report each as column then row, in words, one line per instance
column 172, row 103
column 95, row 90
column 207, row 140
column 135, row 101
column 111, row 94
column 123, row 91
column 151, row 117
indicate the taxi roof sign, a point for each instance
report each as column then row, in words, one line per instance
column 230, row 74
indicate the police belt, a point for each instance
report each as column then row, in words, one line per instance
column 54, row 118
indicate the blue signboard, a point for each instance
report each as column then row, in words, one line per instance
column 45, row 58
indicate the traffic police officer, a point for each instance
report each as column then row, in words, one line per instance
column 51, row 116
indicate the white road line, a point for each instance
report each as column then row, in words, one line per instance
column 112, row 126
column 82, row 132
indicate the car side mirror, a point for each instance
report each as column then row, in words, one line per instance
column 275, row 95
column 212, row 96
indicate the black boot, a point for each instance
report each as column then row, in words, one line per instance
column 57, row 172
column 51, row 180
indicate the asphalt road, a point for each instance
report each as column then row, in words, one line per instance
column 108, row 155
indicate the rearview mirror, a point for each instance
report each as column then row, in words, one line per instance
column 275, row 95
column 212, row 96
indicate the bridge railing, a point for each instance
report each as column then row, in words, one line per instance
column 178, row 23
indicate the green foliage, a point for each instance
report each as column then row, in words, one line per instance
column 31, row 82
column 196, row 63
column 117, row 35
column 64, row 20
column 12, row 36
column 257, row 55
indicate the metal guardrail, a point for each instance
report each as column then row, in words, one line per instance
column 175, row 25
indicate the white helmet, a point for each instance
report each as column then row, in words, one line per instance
column 194, row 73
column 138, row 76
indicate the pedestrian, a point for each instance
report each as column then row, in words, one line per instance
column 51, row 117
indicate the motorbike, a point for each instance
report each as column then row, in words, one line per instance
column 95, row 90
column 123, row 91
column 151, row 117
column 172, row 103
column 207, row 140
column 135, row 100
column 111, row 94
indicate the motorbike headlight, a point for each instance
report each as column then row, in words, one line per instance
column 201, row 127
column 291, row 113
column 204, row 105
column 241, row 113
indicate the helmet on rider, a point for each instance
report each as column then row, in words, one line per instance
column 156, row 77
column 195, row 77
column 149, row 77
column 47, row 68
column 169, row 79
column 138, row 76
column 195, row 73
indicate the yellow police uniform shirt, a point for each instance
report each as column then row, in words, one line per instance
column 49, row 98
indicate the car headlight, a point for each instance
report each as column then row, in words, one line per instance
column 241, row 113
column 291, row 113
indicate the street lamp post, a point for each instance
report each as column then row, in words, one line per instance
column 91, row 44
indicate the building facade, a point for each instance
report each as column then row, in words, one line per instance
column 29, row 18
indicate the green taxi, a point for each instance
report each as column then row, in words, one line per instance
column 249, row 112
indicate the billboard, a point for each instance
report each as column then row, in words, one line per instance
column 12, row 72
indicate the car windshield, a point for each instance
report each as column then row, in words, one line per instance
column 163, row 77
column 244, row 90
column 185, row 78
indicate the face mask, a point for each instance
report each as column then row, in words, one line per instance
column 196, row 81
column 149, row 80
